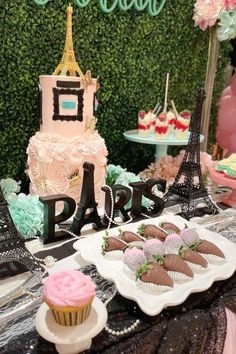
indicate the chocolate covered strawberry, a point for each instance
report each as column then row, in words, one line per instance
column 152, row 231
column 175, row 245
column 155, row 274
column 169, row 227
column 129, row 237
column 207, row 247
column 193, row 257
column 133, row 258
column 174, row 263
column 113, row 243
column 192, row 239
column 153, row 248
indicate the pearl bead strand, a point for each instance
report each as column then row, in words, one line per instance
column 125, row 330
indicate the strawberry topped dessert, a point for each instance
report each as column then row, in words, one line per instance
column 182, row 125
column 171, row 121
column 162, row 125
column 144, row 124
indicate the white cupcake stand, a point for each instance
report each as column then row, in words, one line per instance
column 161, row 144
column 71, row 339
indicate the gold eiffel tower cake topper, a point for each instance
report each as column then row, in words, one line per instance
column 68, row 65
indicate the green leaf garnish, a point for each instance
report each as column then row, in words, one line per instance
column 159, row 259
column 182, row 249
column 105, row 242
column 193, row 247
column 141, row 229
column 143, row 269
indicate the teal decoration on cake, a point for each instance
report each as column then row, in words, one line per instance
column 68, row 104
column 153, row 7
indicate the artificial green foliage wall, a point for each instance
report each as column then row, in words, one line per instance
column 130, row 51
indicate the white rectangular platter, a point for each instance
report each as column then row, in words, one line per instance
column 90, row 250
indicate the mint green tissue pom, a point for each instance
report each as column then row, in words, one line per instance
column 112, row 173
column 27, row 214
column 26, row 210
column 227, row 25
column 119, row 175
column 9, row 186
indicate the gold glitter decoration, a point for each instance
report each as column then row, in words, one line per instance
column 43, row 184
column 68, row 65
column 75, row 179
column 91, row 123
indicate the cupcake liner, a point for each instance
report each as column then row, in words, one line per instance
column 128, row 272
column 196, row 267
column 177, row 276
column 113, row 255
column 152, row 288
column 74, row 317
column 211, row 258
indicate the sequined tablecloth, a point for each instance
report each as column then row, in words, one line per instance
column 198, row 326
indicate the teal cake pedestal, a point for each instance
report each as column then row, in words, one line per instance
column 161, row 144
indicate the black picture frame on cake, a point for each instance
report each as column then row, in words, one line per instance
column 56, row 104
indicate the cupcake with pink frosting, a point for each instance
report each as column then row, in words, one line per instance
column 69, row 294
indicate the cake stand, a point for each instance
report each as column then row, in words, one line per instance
column 71, row 339
column 224, row 180
column 161, row 144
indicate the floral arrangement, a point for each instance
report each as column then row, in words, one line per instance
column 208, row 13
column 119, row 175
column 168, row 167
column 26, row 210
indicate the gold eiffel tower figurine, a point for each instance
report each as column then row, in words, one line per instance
column 68, row 65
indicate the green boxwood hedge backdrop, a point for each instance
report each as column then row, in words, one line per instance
column 130, row 51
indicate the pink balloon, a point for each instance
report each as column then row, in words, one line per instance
column 233, row 85
column 226, row 130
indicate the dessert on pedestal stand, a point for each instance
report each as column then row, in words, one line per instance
column 224, row 180
column 71, row 339
column 160, row 129
column 161, row 145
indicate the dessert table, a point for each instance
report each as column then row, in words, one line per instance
column 204, row 324
column 161, row 145
column 224, row 180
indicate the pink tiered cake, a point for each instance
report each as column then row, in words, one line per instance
column 67, row 136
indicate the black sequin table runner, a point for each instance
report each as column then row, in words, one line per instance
column 198, row 326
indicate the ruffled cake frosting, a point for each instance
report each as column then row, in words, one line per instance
column 55, row 163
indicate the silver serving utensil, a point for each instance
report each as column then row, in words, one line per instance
column 25, row 288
